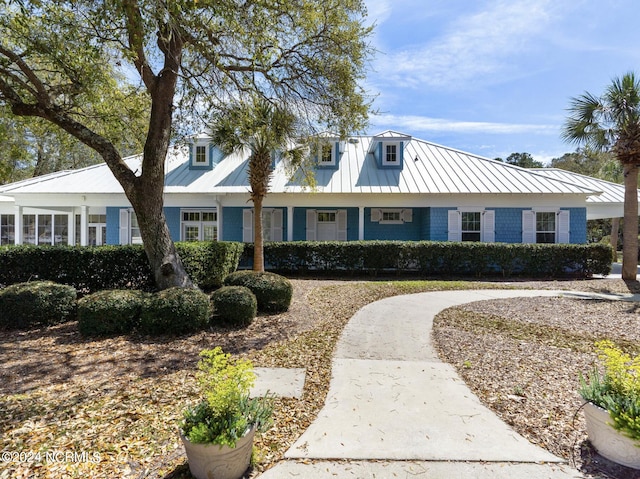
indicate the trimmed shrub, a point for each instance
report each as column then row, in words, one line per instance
column 234, row 304
column 175, row 311
column 24, row 305
column 272, row 291
column 110, row 312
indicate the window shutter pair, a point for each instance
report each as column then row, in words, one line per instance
column 529, row 226
column 247, row 224
column 487, row 229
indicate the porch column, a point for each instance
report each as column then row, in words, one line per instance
column 289, row 223
column 219, row 218
column 84, row 225
column 360, row 223
column 17, row 234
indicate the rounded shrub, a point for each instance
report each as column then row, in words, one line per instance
column 175, row 311
column 110, row 312
column 24, row 305
column 234, row 304
column 272, row 291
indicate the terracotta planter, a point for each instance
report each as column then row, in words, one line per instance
column 212, row 461
column 610, row 442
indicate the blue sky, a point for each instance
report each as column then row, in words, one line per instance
column 494, row 77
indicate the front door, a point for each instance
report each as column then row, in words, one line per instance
column 97, row 234
column 327, row 227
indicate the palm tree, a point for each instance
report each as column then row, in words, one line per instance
column 262, row 128
column 612, row 121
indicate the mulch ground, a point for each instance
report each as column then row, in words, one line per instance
column 75, row 407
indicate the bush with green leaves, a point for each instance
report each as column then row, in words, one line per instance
column 37, row 303
column 616, row 389
column 91, row 269
column 225, row 412
column 236, row 305
column 175, row 311
column 110, row 312
column 272, row 291
column 435, row 258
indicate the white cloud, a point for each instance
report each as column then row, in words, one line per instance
column 426, row 124
column 378, row 10
column 474, row 47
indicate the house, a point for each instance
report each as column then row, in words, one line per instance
column 389, row 186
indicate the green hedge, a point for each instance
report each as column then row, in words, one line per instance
column 430, row 258
column 38, row 303
column 91, row 269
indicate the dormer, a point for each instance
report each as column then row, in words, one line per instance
column 326, row 150
column 203, row 155
column 388, row 149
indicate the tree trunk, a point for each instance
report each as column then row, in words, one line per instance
column 615, row 229
column 258, row 244
column 630, row 228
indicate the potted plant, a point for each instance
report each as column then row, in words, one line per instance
column 612, row 411
column 218, row 431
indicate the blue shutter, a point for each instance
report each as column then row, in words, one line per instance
column 210, row 155
column 380, row 158
column 337, row 153
column 191, row 148
column 401, row 155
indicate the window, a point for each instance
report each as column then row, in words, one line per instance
column 545, row 227
column 391, row 153
column 326, row 217
column 199, row 225
column 471, row 224
column 391, row 216
column 470, row 227
column 7, row 229
column 45, row 229
column 201, row 155
column 326, row 154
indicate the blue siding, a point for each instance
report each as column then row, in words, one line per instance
column 299, row 224
column 352, row 223
column 508, row 226
column 232, row 224
column 439, row 224
column 113, row 224
column 172, row 214
column 425, row 221
column 403, row 232
column 577, row 225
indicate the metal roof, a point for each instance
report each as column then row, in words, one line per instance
column 611, row 192
column 428, row 169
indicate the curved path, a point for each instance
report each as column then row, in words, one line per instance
column 395, row 410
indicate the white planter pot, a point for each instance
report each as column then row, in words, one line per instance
column 610, row 442
column 212, row 461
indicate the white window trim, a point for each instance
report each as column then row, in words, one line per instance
column 126, row 215
column 385, row 161
column 332, row 147
column 487, row 224
column 562, row 230
column 199, row 223
column 194, row 160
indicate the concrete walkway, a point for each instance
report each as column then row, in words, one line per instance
column 395, row 410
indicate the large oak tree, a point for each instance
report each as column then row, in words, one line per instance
column 57, row 56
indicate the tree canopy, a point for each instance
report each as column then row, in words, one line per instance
column 73, row 64
column 611, row 122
